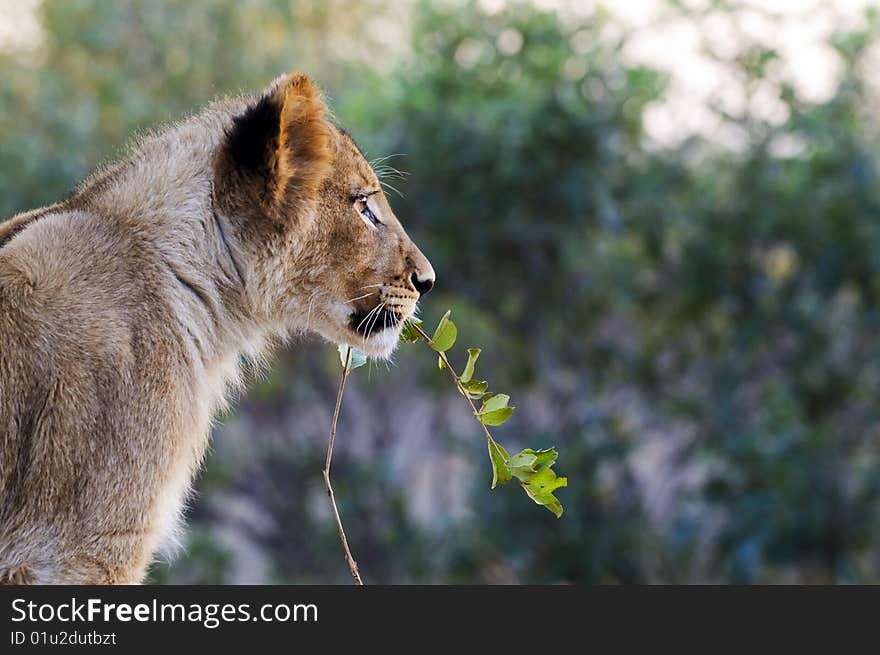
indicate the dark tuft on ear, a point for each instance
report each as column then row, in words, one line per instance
column 254, row 134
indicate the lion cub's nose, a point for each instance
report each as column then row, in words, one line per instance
column 423, row 283
column 422, row 277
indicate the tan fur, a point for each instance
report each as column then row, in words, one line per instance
column 304, row 164
column 125, row 310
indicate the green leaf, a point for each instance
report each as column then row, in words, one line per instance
column 475, row 388
column 496, row 417
column 357, row 360
column 440, row 363
column 527, row 462
column 522, row 465
column 548, row 500
column 545, row 481
column 498, row 456
column 497, row 401
column 533, row 469
column 473, row 355
column 445, row 334
column 409, row 334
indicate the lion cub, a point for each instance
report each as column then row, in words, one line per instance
column 125, row 309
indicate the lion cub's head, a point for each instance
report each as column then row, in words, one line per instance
column 326, row 250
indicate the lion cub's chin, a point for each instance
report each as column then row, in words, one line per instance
column 380, row 345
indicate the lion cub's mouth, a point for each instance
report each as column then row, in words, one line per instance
column 369, row 322
column 395, row 304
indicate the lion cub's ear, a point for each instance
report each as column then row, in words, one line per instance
column 282, row 143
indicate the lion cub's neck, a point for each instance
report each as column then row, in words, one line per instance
column 165, row 191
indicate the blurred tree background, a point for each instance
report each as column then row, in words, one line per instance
column 695, row 326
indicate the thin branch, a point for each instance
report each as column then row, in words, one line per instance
column 352, row 565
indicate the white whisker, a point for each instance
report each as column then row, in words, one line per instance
column 379, row 160
column 311, row 304
column 387, row 185
column 368, row 331
column 372, row 325
column 366, row 295
column 366, row 317
column 385, row 171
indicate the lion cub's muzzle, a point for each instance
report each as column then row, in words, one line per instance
column 391, row 305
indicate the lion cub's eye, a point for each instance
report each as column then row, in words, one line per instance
column 363, row 208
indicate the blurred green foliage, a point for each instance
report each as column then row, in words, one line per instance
column 695, row 327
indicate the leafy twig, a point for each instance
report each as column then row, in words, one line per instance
column 532, row 468
column 352, row 564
